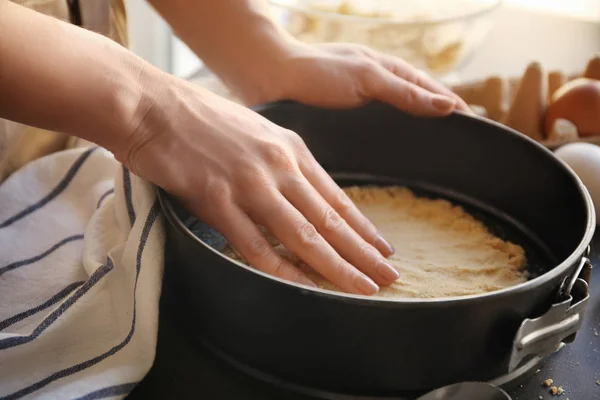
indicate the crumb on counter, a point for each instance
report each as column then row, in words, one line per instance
column 557, row 391
column 548, row 382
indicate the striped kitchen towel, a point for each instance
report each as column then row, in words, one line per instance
column 81, row 258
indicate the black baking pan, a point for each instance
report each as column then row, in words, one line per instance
column 350, row 344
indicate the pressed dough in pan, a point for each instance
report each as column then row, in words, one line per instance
column 440, row 249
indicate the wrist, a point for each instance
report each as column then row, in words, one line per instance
column 167, row 108
column 135, row 100
column 257, row 67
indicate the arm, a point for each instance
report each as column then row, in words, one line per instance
column 205, row 150
column 60, row 77
column 261, row 62
column 235, row 38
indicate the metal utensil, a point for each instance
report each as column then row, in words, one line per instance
column 467, row 391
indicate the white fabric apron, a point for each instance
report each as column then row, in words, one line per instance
column 81, row 258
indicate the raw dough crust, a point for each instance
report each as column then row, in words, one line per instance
column 441, row 250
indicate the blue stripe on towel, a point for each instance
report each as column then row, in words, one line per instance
column 48, row 303
column 104, row 196
column 62, row 185
column 152, row 216
column 50, row 319
column 110, row 391
column 127, row 192
column 28, row 261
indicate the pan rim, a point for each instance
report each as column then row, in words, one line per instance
column 553, row 273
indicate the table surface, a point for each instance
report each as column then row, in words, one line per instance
column 183, row 371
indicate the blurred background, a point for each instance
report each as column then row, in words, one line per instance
column 456, row 41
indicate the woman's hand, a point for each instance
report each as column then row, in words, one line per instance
column 348, row 75
column 345, row 75
column 228, row 165
column 235, row 169
column 261, row 62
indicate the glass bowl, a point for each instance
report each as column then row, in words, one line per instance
column 437, row 36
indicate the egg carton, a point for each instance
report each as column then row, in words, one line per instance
column 521, row 103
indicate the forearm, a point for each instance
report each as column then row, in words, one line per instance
column 60, row 77
column 236, row 39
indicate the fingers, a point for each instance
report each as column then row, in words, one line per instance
column 340, row 202
column 405, row 71
column 246, row 238
column 298, row 235
column 336, row 231
column 383, row 85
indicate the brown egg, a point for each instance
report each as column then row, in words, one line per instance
column 577, row 101
column 592, row 70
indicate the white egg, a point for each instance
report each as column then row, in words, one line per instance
column 584, row 159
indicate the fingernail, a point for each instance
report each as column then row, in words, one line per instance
column 387, row 272
column 305, row 281
column 442, row 103
column 384, row 247
column 366, row 286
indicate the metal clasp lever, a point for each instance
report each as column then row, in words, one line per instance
column 542, row 336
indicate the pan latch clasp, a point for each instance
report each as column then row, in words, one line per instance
column 544, row 335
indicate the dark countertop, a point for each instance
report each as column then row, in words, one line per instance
column 182, row 371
